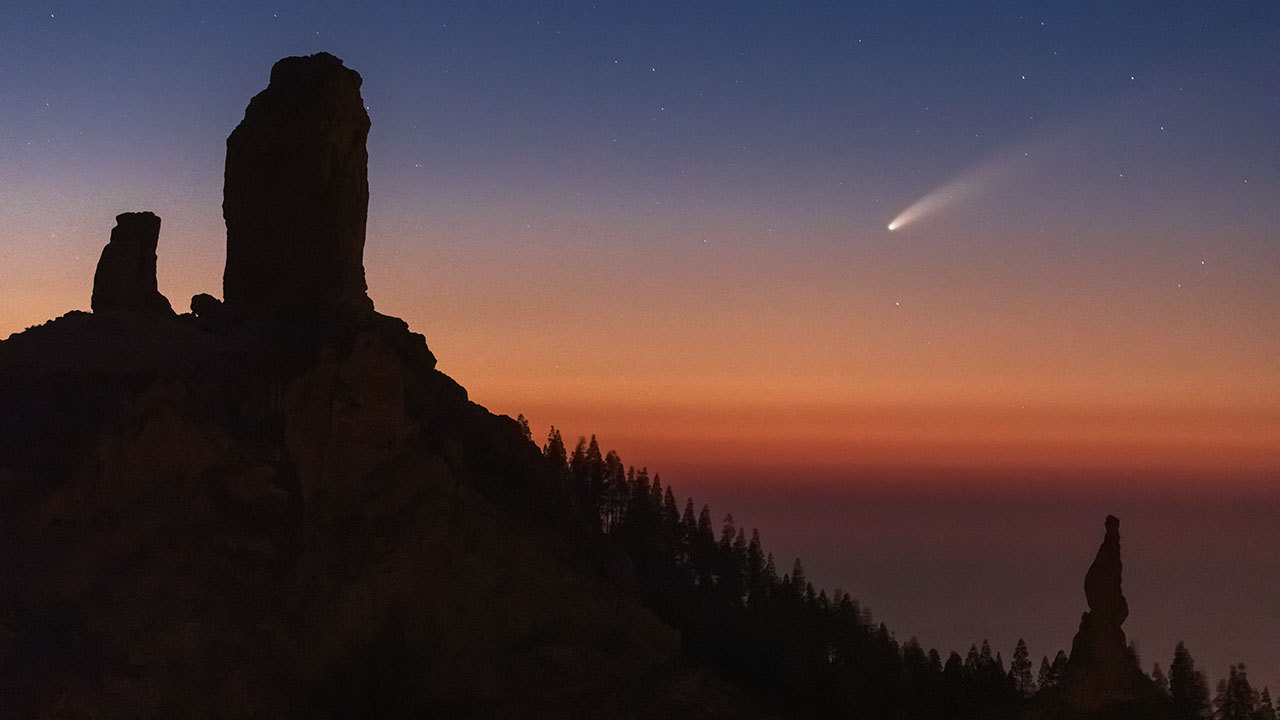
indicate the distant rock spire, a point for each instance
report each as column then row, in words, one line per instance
column 1102, row 672
column 1102, row 583
column 125, row 278
column 296, row 192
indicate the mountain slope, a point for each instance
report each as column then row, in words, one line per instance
column 277, row 506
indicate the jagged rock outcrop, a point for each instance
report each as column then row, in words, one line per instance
column 1102, row 675
column 254, row 513
column 125, row 278
column 296, row 192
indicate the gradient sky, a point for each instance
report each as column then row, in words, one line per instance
column 666, row 223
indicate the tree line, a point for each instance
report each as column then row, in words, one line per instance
column 800, row 646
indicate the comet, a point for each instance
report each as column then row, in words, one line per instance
column 967, row 184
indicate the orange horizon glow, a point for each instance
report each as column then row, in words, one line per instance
column 790, row 362
column 1218, row 443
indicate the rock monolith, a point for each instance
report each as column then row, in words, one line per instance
column 296, row 192
column 126, row 275
column 1102, row 671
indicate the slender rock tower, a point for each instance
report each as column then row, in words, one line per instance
column 1102, row 672
column 125, row 278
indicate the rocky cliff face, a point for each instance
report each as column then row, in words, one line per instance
column 244, row 512
column 296, row 193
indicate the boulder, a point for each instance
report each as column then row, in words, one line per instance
column 296, row 192
column 126, row 275
column 205, row 305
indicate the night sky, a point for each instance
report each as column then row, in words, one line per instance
column 668, row 224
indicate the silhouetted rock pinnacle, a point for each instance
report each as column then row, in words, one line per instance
column 1102, row 672
column 296, row 192
column 1107, row 605
column 126, row 275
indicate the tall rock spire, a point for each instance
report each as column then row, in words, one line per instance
column 1102, row 672
column 296, row 192
column 1102, row 591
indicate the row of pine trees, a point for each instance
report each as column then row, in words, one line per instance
column 800, row 646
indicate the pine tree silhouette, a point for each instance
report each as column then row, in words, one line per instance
column 1187, row 686
column 1020, row 670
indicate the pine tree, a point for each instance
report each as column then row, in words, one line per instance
column 738, row 566
column 730, row 570
column 972, row 660
column 1236, row 698
column 640, row 490
column 597, row 483
column 1045, row 677
column 524, row 428
column 615, row 491
column 688, row 533
column 915, row 664
column 727, row 533
column 756, row 587
column 1020, row 670
column 1158, row 677
column 641, row 517
column 671, row 515
column 770, row 574
column 1202, row 694
column 1059, row 666
column 798, row 580
column 935, row 661
column 703, row 548
column 706, row 534
column 1265, row 710
column 1187, row 687
column 579, row 481
column 577, row 459
column 555, row 453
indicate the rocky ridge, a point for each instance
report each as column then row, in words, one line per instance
column 277, row 506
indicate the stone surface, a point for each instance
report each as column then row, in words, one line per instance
column 126, row 275
column 296, row 192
